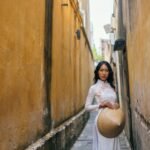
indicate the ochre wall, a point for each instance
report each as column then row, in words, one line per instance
column 138, row 57
column 71, row 63
column 138, row 50
column 21, row 72
column 23, row 97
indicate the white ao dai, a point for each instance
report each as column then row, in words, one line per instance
column 101, row 91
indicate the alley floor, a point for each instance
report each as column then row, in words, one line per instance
column 84, row 142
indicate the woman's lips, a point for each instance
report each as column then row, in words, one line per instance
column 104, row 77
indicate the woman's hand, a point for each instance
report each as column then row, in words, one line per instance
column 116, row 105
column 105, row 104
column 110, row 105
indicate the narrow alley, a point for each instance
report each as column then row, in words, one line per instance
column 52, row 54
column 84, row 142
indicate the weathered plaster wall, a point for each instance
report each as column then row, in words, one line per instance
column 21, row 72
column 138, row 53
column 71, row 62
column 33, row 101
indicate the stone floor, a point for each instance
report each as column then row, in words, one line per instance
column 84, row 142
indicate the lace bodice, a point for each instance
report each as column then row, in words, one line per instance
column 101, row 91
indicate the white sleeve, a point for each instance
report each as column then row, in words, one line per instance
column 88, row 105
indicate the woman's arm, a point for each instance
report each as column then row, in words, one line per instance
column 89, row 100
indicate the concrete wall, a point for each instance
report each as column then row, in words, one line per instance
column 120, row 59
column 44, row 75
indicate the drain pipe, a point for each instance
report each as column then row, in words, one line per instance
column 121, row 34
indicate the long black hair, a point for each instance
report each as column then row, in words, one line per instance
column 110, row 78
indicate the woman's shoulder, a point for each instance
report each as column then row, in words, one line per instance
column 92, row 87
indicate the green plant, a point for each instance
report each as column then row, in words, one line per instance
column 96, row 55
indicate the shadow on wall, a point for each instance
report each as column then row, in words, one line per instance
column 137, row 143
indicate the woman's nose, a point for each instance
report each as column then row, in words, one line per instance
column 104, row 72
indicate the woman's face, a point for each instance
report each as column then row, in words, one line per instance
column 103, row 72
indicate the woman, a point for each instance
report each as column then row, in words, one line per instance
column 104, row 93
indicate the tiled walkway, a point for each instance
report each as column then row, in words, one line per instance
column 84, row 142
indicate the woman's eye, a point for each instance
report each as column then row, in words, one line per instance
column 104, row 70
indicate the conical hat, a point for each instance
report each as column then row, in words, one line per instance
column 111, row 122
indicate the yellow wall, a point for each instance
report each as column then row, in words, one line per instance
column 23, row 106
column 138, row 57
column 71, row 60
column 21, row 72
column 137, row 23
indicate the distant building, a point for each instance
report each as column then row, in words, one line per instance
column 106, row 49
